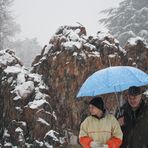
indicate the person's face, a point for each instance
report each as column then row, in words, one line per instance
column 95, row 111
column 134, row 101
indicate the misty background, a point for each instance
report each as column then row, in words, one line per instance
column 27, row 25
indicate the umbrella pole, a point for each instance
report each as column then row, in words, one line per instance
column 121, row 98
column 118, row 103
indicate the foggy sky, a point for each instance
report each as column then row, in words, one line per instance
column 41, row 18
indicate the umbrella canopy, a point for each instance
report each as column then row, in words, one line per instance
column 112, row 79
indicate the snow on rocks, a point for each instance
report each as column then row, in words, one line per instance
column 13, row 69
column 26, row 99
column 24, row 90
column 137, row 53
column 70, row 45
column 134, row 41
column 7, row 58
column 19, row 130
column 37, row 103
column 52, row 134
column 43, row 121
column 73, row 40
column 8, row 144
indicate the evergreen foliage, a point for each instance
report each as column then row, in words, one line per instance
column 8, row 27
column 130, row 19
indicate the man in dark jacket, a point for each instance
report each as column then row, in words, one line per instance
column 133, row 119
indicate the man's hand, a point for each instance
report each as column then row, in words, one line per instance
column 121, row 121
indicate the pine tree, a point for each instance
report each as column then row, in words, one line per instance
column 8, row 27
column 130, row 19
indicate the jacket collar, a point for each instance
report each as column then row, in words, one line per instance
column 139, row 109
column 103, row 115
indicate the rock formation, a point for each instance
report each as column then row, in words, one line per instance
column 26, row 118
column 39, row 107
column 137, row 53
column 65, row 63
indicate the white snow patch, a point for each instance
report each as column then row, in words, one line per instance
column 116, row 41
column 94, row 54
column 10, row 79
column 54, row 57
column 73, row 35
column 48, row 145
column 16, row 98
column 108, row 43
column 134, row 64
column 36, row 77
column 51, row 133
column 75, row 54
column 18, row 108
column 5, row 57
column 54, row 115
column 62, row 140
column 39, row 142
column 23, row 123
column 122, row 50
column 6, row 134
column 92, row 47
column 70, row 45
column 25, row 89
column 28, row 145
column 57, row 52
column 83, row 55
column 38, row 94
column 77, row 31
column 111, row 55
column 43, row 121
column 146, row 93
column 48, row 48
column 37, row 103
column 20, row 78
column 18, row 130
column 42, row 59
column 13, row 69
column 8, row 144
column 133, row 41
column 43, row 86
column 103, row 33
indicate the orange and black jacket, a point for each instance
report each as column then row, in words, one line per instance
column 105, row 130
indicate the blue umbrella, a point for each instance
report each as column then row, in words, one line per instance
column 112, row 79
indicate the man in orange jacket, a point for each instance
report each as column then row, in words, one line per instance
column 100, row 129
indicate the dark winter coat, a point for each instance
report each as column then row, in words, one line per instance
column 135, row 130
